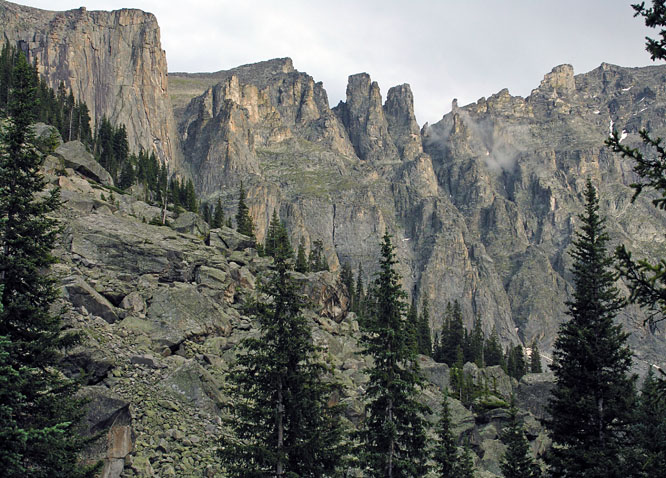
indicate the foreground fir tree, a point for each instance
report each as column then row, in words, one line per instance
column 40, row 419
column 279, row 416
column 393, row 435
column 591, row 403
column 517, row 461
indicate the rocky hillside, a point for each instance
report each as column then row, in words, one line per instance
column 483, row 204
column 113, row 61
column 161, row 312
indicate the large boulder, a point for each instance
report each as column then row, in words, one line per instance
column 190, row 223
column 76, row 156
column 534, row 391
column 81, row 294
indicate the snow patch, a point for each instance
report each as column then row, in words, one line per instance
column 596, row 112
column 610, row 128
column 624, row 135
column 627, row 89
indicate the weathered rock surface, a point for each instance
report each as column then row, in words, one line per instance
column 482, row 205
column 161, row 313
column 111, row 60
column 75, row 155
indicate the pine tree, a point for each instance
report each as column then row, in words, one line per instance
column 517, row 461
column 423, row 330
column 453, row 334
column 244, row 224
column 476, row 343
column 346, row 277
column 465, row 468
column 277, row 243
column 445, row 453
column 591, row 403
column 393, row 435
column 43, row 418
column 218, row 215
column 535, row 359
column 492, row 351
column 191, row 203
column 516, row 364
column 317, row 260
column 301, row 261
column 359, row 291
column 650, row 430
column 281, row 423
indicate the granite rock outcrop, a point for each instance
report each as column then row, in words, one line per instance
column 113, row 61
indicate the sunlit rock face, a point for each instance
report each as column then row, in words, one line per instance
column 482, row 205
column 113, row 61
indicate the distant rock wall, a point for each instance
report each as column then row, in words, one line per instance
column 111, row 60
column 482, row 205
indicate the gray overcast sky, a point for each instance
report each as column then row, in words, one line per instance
column 444, row 49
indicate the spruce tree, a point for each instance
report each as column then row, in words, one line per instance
column 393, row 434
column 535, row 359
column 492, row 351
column 346, row 277
column 517, row 461
column 301, row 261
column 446, row 454
column 244, row 223
column 359, row 291
column 650, row 430
column 465, row 467
column 591, row 403
column 280, row 421
column 42, row 420
column 218, row 215
column 476, row 343
column 423, row 330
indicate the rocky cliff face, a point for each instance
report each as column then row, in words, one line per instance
column 482, row 204
column 111, row 60
column 161, row 311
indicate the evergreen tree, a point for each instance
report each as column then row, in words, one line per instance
column 476, row 343
column 517, row 461
column 218, row 215
column 412, row 323
column 43, row 417
column 465, row 467
column 650, row 430
column 244, row 223
column 535, row 359
column 492, row 352
column 346, row 277
column 445, row 454
column 453, row 334
column 301, row 261
column 277, row 240
column 205, row 213
column 317, row 260
column 279, row 414
column 424, row 340
column 591, row 403
column 516, row 364
column 393, row 435
column 359, row 292
column 191, row 203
